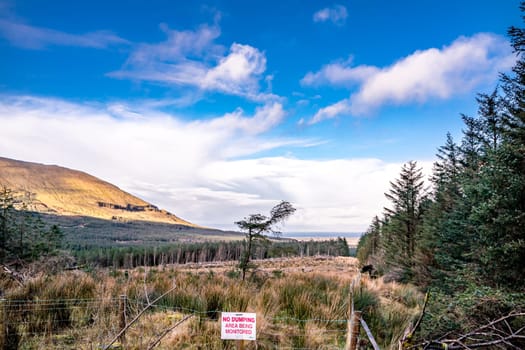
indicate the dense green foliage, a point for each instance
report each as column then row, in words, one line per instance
column 464, row 238
column 24, row 236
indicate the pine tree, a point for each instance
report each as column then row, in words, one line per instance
column 257, row 225
column 514, row 87
column 6, row 218
column 438, row 245
column 500, row 216
column 491, row 116
column 369, row 243
column 408, row 196
column 23, row 234
column 445, row 175
column 497, row 193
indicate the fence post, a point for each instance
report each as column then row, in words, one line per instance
column 353, row 331
column 3, row 326
column 122, row 314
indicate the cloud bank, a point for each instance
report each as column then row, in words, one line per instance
column 205, row 171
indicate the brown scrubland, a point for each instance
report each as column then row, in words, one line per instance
column 301, row 303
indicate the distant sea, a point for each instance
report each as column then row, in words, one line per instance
column 318, row 235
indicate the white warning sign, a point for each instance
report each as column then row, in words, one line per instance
column 238, row 325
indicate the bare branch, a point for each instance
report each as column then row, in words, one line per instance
column 497, row 333
column 122, row 331
column 409, row 332
column 169, row 329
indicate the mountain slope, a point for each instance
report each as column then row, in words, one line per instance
column 56, row 190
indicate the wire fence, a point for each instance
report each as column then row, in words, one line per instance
column 91, row 323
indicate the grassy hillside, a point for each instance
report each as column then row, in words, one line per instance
column 61, row 191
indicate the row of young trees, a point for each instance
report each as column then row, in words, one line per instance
column 183, row 253
column 24, row 237
column 471, row 221
column 257, row 245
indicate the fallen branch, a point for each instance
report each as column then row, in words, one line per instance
column 497, row 333
column 408, row 335
column 369, row 335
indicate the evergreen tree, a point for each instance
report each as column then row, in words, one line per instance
column 497, row 218
column 491, row 116
column 468, row 223
column 445, row 174
column 342, row 247
column 23, row 234
column 497, row 193
column 24, row 231
column 438, row 245
column 6, row 218
column 514, row 88
column 408, row 197
column 369, row 243
column 470, row 196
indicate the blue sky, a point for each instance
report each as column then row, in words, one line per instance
column 218, row 109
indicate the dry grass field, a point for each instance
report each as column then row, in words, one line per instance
column 301, row 303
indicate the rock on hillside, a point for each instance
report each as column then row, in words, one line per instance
column 56, row 190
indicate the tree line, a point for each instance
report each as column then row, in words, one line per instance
column 464, row 232
column 200, row 252
column 472, row 217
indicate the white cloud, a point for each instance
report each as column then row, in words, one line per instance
column 187, row 58
column 31, row 37
column 336, row 14
column 190, row 58
column 237, row 73
column 263, row 120
column 467, row 63
column 331, row 111
column 179, row 45
column 339, row 74
column 192, row 167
